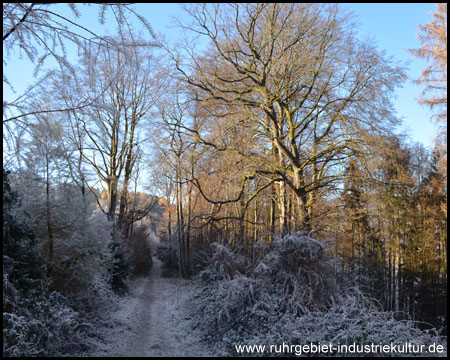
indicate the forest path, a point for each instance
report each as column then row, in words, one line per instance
column 152, row 320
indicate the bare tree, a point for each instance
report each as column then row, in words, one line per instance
column 107, row 133
column 42, row 32
column 173, row 146
column 299, row 79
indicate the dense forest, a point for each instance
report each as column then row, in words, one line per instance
column 266, row 164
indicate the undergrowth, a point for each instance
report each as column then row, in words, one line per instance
column 290, row 293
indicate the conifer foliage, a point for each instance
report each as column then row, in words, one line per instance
column 36, row 320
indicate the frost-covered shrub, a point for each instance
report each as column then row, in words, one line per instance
column 298, row 249
column 296, row 269
column 36, row 320
column 81, row 262
column 80, row 236
column 21, row 336
column 44, row 325
column 290, row 294
column 224, row 264
column 352, row 320
column 293, row 276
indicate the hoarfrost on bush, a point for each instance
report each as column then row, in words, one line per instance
column 290, row 293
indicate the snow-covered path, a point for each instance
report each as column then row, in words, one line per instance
column 152, row 320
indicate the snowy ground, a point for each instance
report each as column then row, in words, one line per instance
column 152, row 320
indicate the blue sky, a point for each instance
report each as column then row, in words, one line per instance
column 392, row 26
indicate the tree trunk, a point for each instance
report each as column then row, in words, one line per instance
column 272, row 213
column 255, row 226
column 48, row 210
column 169, row 223
column 282, row 207
column 112, row 197
column 301, row 196
column 241, row 222
column 180, row 225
